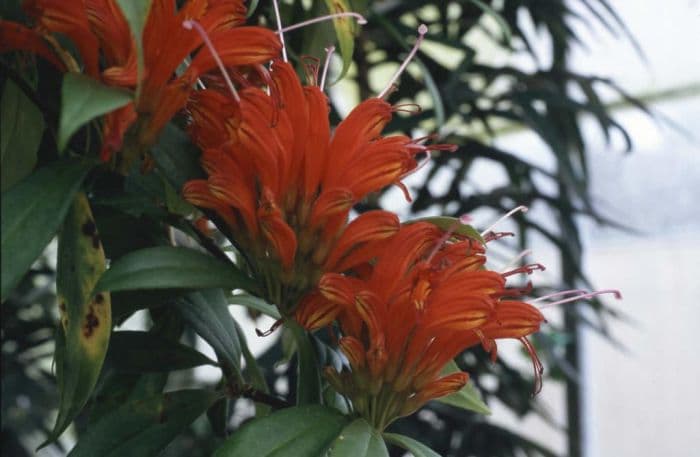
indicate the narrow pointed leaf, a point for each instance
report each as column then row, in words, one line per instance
column 299, row 431
column 345, row 31
column 416, row 448
column 21, row 128
column 144, row 427
column 257, row 304
column 467, row 398
column 166, row 267
column 207, row 313
column 253, row 374
column 83, row 99
column 309, row 377
column 32, row 211
column 135, row 12
column 358, row 439
column 86, row 320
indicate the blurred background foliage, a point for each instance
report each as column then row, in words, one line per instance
column 465, row 98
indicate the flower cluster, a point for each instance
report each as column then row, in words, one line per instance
column 424, row 299
column 406, row 299
column 284, row 186
column 108, row 52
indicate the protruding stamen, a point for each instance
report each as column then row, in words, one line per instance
column 326, row 64
column 525, row 269
column 493, row 236
column 269, row 331
column 587, row 296
column 422, row 30
column 537, row 366
column 408, row 108
column 559, row 294
column 192, row 24
column 280, row 30
column 420, row 165
column 520, row 208
column 516, row 259
column 360, row 20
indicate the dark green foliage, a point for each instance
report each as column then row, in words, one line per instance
column 138, row 214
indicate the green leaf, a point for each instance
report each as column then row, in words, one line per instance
column 21, row 128
column 86, row 321
column 177, row 157
column 451, row 223
column 308, row 378
column 345, row 31
column 256, row 303
column 358, row 439
column 136, row 12
column 140, row 352
column 32, row 211
column 83, row 99
column 165, row 267
column 416, row 448
column 254, row 374
column 467, row 398
column 144, row 427
column 299, row 431
column 207, row 313
column 505, row 28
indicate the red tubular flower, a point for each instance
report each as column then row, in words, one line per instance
column 101, row 34
column 422, row 301
column 272, row 162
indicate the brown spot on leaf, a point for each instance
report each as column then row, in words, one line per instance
column 95, row 241
column 99, row 298
column 89, row 228
column 91, row 323
column 62, row 306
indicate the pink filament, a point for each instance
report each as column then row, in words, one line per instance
column 559, row 294
column 587, row 296
column 192, row 24
column 520, row 208
column 280, row 30
column 326, row 64
column 422, row 30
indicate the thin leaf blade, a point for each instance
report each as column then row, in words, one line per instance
column 416, row 448
column 165, row 267
column 468, row 397
column 83, row 99
column 21, row 127
column 358, row 439
column 86, row 321
column 303, row 430
column 32, row 211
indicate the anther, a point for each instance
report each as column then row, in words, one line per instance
column 280, row 30
column 506, row 216
column 329, row 53
column 360, row 20
column 525, row 269
column 192, row 24
column 422, row 30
